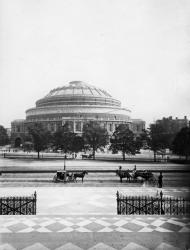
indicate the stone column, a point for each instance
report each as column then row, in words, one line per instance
column 74, row 130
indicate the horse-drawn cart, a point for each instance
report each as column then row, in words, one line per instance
column 63, row 176
column 66, row 176
column 87, row 156
column 136, row 176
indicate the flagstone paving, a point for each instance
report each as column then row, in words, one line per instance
column 94, row 232
column 75, row 218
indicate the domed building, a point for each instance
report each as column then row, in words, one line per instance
column 76, row 103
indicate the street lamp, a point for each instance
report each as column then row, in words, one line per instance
column 65, row 163
column 65, row 172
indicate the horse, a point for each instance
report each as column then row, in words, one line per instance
column 146, row 175
column 79, row 175
column 123, row 174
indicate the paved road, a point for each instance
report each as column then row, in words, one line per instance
column 78, row 164
column 93, row 179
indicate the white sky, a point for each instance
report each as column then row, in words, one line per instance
column 137, row 50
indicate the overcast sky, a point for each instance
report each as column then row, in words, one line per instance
column 137, row 50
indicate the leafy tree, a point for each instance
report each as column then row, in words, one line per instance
column 27, row 146
column 123, row 140
column 41, row 137
column 68, row 141
column 142, row 141
column 169, row 130
column 95, row 137
column 159, row 138
column 77, row 144
column 4, row 139
column 63, row 139
column 181, row 143
column 156, row 138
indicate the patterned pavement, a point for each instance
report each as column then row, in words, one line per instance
column 62, row 224
column 94, row 232
column 84, row 218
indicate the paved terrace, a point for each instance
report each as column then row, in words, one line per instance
column 75, row 218
column 94, row 232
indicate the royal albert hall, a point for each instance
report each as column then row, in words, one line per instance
column 76, row 103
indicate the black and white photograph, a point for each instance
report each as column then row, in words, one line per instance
column 94, row 125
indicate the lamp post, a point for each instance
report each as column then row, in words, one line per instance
column 65, row 172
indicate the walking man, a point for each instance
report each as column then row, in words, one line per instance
column 160, row 177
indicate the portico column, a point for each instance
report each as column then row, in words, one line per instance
column 74, row 126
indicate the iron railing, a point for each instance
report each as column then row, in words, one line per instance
column 18, row 205
column 127, row 205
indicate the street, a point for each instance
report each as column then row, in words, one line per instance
column 76, row 216
column 174, row 180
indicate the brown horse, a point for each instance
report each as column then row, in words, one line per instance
column 80, row 175
column 124, row 174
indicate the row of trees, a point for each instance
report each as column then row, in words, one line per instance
column 157, row 138
column 123, row 140
column 94, row 137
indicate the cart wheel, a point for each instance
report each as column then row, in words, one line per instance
column 54, row 179
column 153, row 181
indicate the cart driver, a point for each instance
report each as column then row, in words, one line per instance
column 119, row 169
column 134, row 171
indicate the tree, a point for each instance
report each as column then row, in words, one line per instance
column 169, row 129
column 68, row 141
column 181, row 143
column 41, row 137
column 95, row 137
column 158, row 138
column 4, row 139
column 63, row 138
column 123, row 140
column 77, row 144
column 142, row 141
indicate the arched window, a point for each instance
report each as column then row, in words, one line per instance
column 18, row 142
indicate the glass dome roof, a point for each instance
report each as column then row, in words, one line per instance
column 78, row 97
column 78, row 88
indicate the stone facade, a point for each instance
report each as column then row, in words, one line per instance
column 76, row 103
column 174, row 125
column 137, row 126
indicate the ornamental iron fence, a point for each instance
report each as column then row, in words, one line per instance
column 143, row 205
column 18, row 205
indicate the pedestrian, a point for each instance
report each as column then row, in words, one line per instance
column 160, row 177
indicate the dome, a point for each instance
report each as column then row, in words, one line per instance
column 77, row 93
column 78, row 99
column 78, row 88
